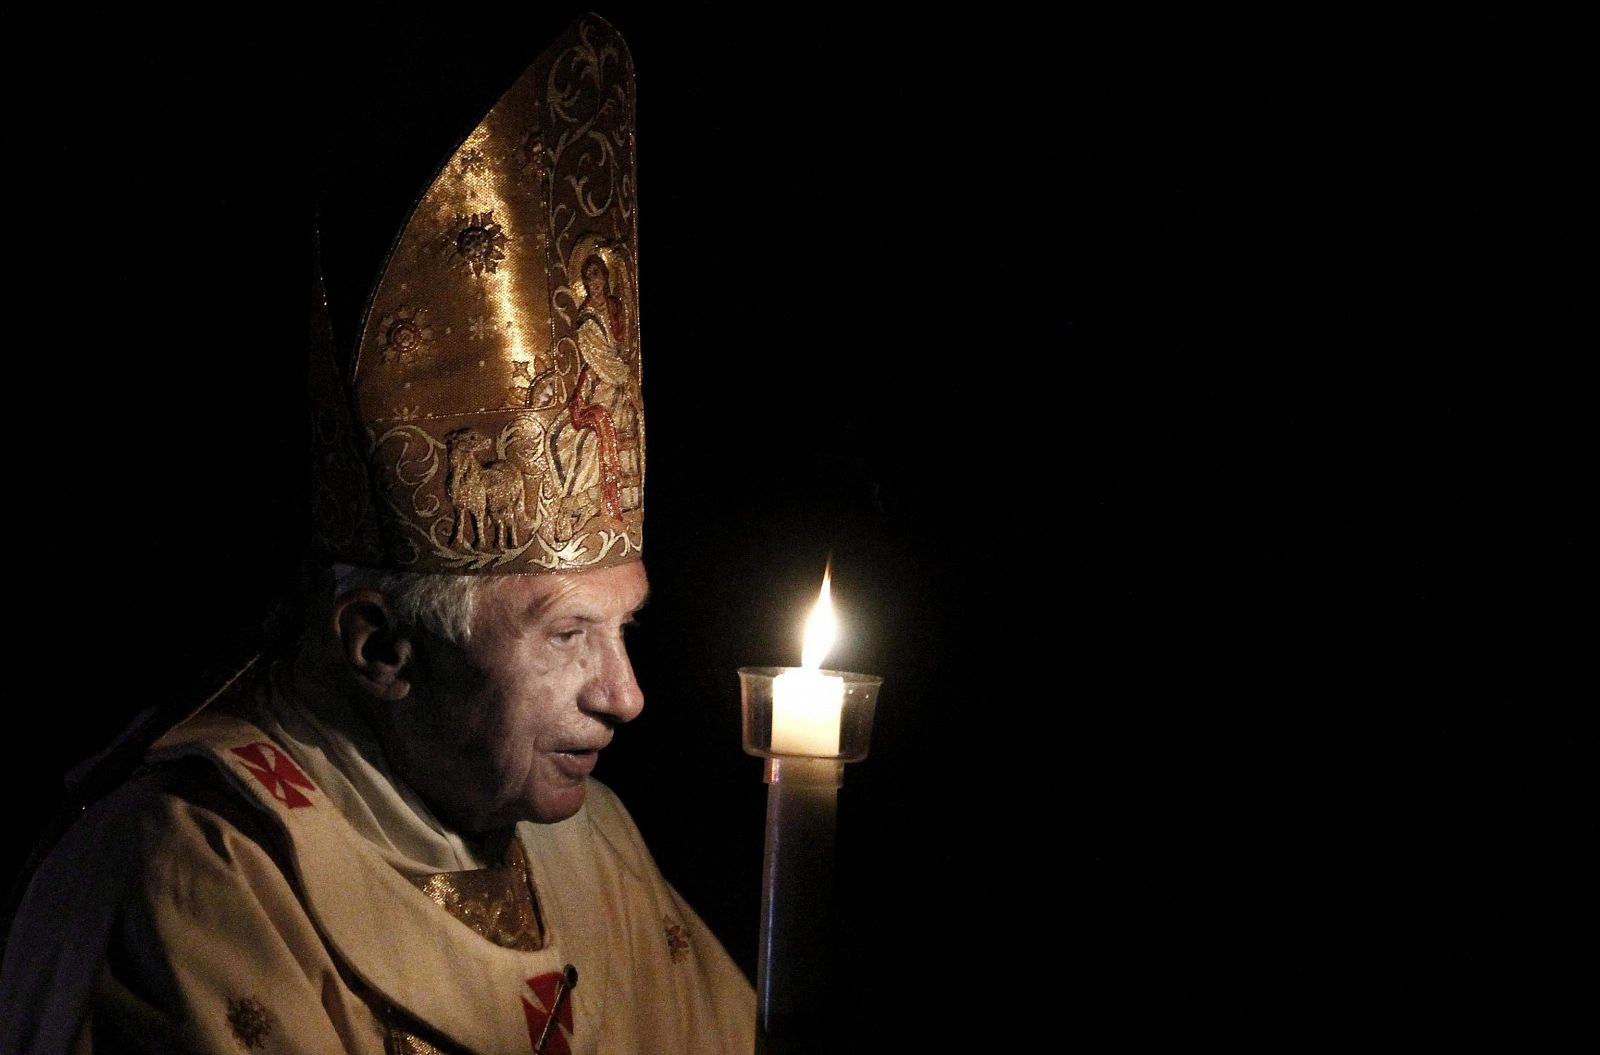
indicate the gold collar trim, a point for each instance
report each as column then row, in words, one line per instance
column 499, row 903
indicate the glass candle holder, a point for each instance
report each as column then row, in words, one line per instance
column 794, row 712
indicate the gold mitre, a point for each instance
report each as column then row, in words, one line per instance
column 490, row 418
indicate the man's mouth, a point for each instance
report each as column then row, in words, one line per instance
column 576, row 763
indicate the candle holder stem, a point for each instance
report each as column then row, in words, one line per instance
column 795, row 973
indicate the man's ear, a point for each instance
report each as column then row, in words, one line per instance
column 377, row 652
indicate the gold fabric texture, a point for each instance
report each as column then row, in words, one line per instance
column 497, row 903
column 404, row 1043
column 492, row 420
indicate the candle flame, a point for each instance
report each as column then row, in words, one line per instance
column 820, row 627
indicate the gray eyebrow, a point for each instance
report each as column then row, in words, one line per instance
column 586, row 618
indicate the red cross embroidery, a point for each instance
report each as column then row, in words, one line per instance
column 277, row 774
column 545, row 988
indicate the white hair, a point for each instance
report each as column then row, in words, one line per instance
column 443, row 604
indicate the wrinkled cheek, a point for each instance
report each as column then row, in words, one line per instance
column 511, row 766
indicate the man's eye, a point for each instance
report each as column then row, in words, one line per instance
column 566, row 637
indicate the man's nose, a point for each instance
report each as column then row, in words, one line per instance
column 613, row 691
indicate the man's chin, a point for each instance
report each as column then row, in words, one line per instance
column 552, row 806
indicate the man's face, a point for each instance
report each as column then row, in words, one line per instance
column 507, row 727
column 594, row 276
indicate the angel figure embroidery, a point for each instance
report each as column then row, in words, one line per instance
column 605, row 399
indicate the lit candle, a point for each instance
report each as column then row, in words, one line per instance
column 807, row 704
column 807, row 724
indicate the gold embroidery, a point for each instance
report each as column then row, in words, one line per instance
column 476, row 240
column 249, row 1021
column 490, row 497
column 677, row 939
column 403, row 1043
column 497, row 903
column 407, row 335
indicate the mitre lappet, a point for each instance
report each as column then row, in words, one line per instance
column 489, row 417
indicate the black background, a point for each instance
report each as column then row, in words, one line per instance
column 1187, row 405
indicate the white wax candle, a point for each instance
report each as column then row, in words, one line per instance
column 806, row 710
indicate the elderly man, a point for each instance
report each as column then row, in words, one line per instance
column 385, row 838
